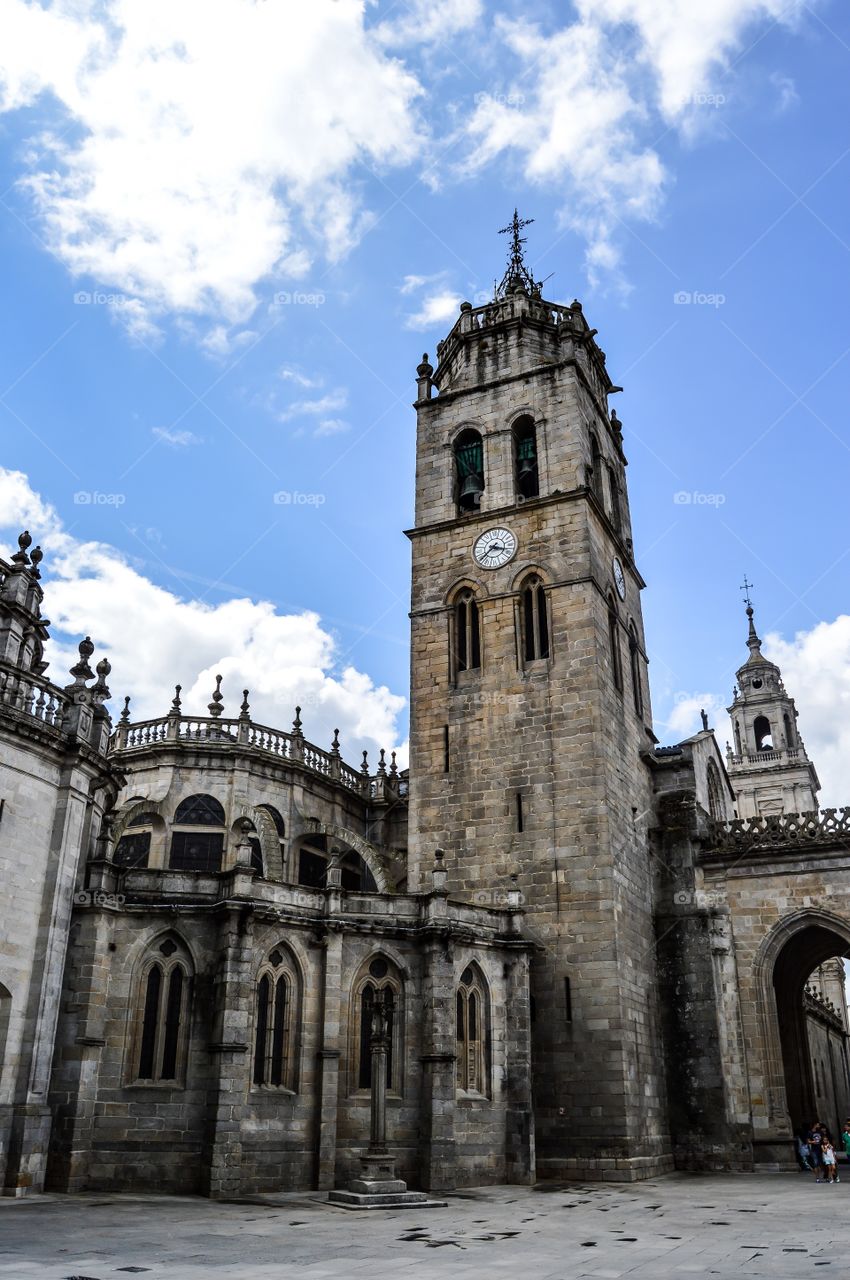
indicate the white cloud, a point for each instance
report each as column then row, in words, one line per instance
column 436, row 309
column 585, row 100
column 177, row 439
column 816, row 671
column 221, row 341
column 154, row 638
column 300, row 379
column 200, row 145
column 331, row 427
column 786, row 90
column 684, row 719
column 322, row 405
column 426, row 22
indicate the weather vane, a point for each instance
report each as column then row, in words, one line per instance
column 746, row 588
column 517, row 272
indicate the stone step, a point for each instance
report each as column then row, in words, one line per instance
column 383, row 1200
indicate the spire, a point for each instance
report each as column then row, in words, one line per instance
column 215, row 707
column 517, row 275
column 753, row 641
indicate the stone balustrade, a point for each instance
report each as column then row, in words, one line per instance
column 33, row 696
column 241, row 731
column 756, row 759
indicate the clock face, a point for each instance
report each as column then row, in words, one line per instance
column 619, row 578
column 495, row 548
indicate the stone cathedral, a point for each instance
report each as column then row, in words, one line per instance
column 600, row 957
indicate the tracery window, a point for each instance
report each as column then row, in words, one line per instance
column 614, row 646
column 535, row 619
column 472, row 1013
column 274, row 1028
column 715, row 795
column 466, row 633
column 163, row 1005
column 380, row 974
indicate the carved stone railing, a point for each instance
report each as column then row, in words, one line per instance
column 33, row 696
column 755, row 759
column 817, row 1003
column 781, row 831
column 241, row 731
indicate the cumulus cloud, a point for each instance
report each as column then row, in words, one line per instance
column 816, row 670
column 198, row 147
column 155, row 638
column 436, row 309
column 329, row 403
column 578, row 109
column 424, row 22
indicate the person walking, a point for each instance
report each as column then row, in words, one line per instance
column 828, row 1157
column 804, row 1151
column 815, row 1153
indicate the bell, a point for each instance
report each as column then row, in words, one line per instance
column 471, row 491
column 526, row 467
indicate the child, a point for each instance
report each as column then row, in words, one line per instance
column 828, row 1158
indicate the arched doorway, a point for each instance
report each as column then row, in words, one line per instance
column 812, row 1028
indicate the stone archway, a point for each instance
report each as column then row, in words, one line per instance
column 368, row 852
column 796, row 947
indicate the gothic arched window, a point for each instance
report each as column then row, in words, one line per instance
column 197, row 847
column 472, row 1015
column 379, row 974
column 634, row 665
column 715, row 794
column 163, row 1005
column 466, row 633
column 274, row 1028
column 469, row 469
column 526, row 474
column 534, row 619
column 614, row 646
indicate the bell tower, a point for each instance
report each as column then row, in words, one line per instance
column 768, row 767
column 530, row 716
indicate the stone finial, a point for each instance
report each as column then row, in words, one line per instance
column 215, row 707
column 245, row 707
column 100, row 687
column 125, row 714
column 514, row 894
column 382, row 764
column 393, row 766
column 333, row 875
column 364, row 769
column 81, row 671
column 439, row 874
column 176, row 704
column 296, row 723
column 335, row 743
column 36, row 557
column 24, row 542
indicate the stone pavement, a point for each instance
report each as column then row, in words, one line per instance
column 773, row 1225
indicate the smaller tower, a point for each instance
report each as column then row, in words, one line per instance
column 767, row 765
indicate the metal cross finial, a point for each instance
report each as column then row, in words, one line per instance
column 517, row 272
column 746, row 588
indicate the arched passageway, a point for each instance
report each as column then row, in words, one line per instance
column 812, row 1031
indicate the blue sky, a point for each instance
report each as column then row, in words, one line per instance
column 273, row 210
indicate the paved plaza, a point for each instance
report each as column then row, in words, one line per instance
column 753, row 1225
